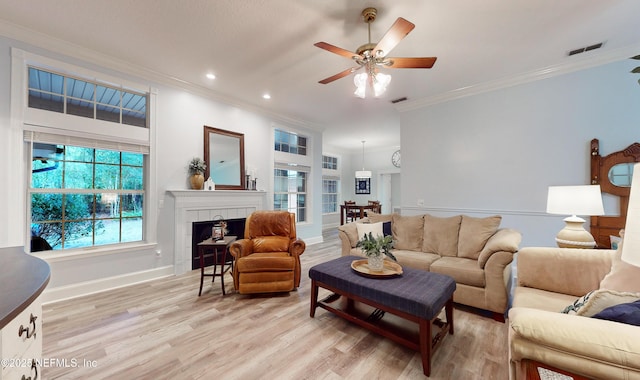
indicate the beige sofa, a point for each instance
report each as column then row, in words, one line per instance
column 474, row 251
column 540, row 335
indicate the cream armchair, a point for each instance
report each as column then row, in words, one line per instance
column 548, row 280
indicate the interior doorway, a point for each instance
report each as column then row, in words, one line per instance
column 389, row 192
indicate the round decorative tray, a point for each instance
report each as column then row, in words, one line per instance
column 390, row 269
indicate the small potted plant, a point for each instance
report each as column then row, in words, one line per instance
column 376, row 248
column 196, row 169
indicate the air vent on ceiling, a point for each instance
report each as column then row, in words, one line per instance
column 584, row 49
column 394, row 101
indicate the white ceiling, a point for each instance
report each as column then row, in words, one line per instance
column 258, row 46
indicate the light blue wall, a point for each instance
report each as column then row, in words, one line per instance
column 497, row 152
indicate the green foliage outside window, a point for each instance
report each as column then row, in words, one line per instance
column 84, row 197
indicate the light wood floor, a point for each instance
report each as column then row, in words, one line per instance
column 162, row 330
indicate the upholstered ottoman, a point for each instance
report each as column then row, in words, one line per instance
column 416, row 295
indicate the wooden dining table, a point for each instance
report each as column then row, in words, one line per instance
column 344, row 210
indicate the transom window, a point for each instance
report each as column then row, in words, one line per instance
column 82, row 197
column 329, row 162
column 290, row 143
column 64, row 94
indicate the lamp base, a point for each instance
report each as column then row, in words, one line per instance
column 573, row 235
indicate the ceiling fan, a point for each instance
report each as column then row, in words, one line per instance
column 372, row 56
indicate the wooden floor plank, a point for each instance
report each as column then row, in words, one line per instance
column 162, row 330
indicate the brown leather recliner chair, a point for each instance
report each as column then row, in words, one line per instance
column 268, row 258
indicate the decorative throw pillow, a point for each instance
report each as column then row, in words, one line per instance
column 407, row 232
column 597, row 300
column 386, row 229
column 628, row 313
column 474, row 233
column 623, row 277
column 365, row 228
column 441, row 235
column 577, row 304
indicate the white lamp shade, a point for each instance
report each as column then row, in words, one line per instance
column 575, row 200
column 631, row 239
column 363, row 174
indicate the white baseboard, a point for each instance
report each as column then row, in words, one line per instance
column 313, row 240
column 65, row 292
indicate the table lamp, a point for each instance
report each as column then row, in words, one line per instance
column 575, row 200
column 631, row 240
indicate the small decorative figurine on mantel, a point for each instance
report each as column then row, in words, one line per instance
column 209, row 184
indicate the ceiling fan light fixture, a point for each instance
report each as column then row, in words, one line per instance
column 380, row 83
column 360, row 80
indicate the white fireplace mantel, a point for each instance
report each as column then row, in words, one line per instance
column 200, row 205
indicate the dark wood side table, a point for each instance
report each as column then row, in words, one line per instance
column 220, row 253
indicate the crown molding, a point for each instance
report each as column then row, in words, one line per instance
column 532, row 76
column 63, row 48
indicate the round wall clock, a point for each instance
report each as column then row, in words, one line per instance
column 395, row 158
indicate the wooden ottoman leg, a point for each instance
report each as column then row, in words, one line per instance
column 425, row 346
column 314, row 298
column 448, row 310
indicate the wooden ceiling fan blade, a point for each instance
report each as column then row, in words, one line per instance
column 412, row 63
column 394, row 35
column 336, row 50
column 338, row 76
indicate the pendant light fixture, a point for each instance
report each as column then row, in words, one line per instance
column 363, row 173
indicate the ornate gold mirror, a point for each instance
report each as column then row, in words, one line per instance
column 224, row 156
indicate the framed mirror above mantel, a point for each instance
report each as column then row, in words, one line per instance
column 224, row 156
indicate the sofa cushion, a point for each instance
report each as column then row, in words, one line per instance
column 533, row 298
column 375, row 217
column 623, row 277
column 365, row 228
column 441, row 235
column 474, row 233
column 415, row 259
column 464, row 271
column 628, row 313
column 598, row 300
column 407, row 232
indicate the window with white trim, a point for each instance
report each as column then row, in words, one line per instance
column 290, row 190
column 89, row 144
column 329, row 162
column 82, row 197
column 289, row 142
column 330, row 188
column 65, row 94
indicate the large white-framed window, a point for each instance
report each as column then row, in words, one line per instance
column 330, row 184
column 292, row 190
column 87, row 144
column 330, row 193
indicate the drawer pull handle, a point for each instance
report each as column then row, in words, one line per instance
column 34, row 367
column 32, row 326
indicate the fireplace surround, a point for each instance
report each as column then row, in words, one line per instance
column 191, row 206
